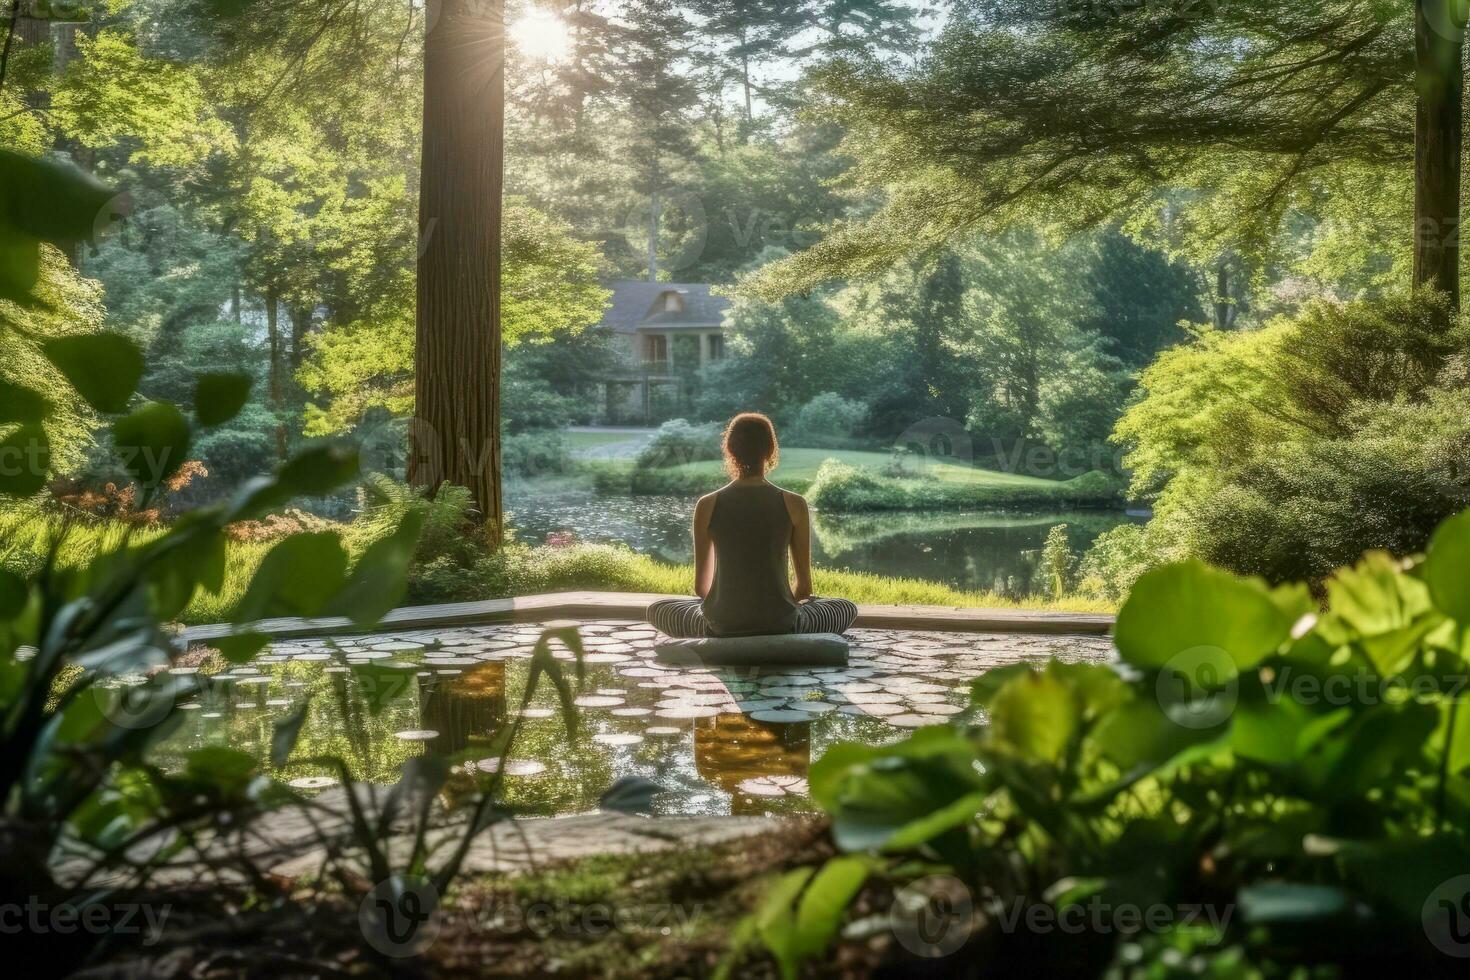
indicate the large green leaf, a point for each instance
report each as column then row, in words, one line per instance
column 824, row 902
column 239, row 648
column 1189, row 605
column 296, row 578
column 195, row 560
column 104, row 368
column 25, row 460
column 20, row 266
column 312, row 472
column 287, row 731
column 380, row 577
column 44, row 201
column 1034, row 716
column 902, row 795
column 1447, row 569
column 1378, row 744
column 19, row 404
column 13, row 595
column 52, row 201
column 219, row 397
column 775, row 923
column 1276, row 731
column 319, row 470
column 630, row 794
column 1384, row 610
column 1140, row 738
column 152, row 442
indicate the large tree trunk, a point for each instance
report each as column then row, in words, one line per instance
column 1439, row 38
column 301, row 318
column 456, row 431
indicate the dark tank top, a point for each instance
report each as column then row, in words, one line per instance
column 751, row 594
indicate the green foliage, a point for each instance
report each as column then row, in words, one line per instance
column 1115, row 560
column 1290, row 450
column 550, row 286
column 80, row 717
column 1304, row 767
column 1129, row 115
column 828, row 421
column 678, row 441
column 46, row 203
column 841, row 487
column 533, row 454
column 1057, row 561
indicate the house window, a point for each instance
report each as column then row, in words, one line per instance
column 716, row 347
column 656, row 349
column 673, row 303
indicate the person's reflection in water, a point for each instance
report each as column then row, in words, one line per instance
column 733, row 748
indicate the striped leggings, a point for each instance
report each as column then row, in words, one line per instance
column 685, row 617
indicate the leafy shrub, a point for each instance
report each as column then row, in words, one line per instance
column 840, row 486
column 84, row 631
column 1290, row 450
column 452, row 562
column 1115, row 561
column 530, row 404
column 679, row 441
column 829, row 421
column 1057, row 562
column 1305, row 768
column 538, row 453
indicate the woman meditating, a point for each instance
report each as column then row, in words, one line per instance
column 742, row 535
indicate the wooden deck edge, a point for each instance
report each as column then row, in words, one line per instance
column 631, row 605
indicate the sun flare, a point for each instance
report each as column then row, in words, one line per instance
column 541, row 35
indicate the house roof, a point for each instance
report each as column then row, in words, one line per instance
column 633, row 302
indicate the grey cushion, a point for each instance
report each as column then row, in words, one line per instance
column 804, row 649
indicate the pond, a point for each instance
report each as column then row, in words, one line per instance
column 719, row 741
column 972, row 550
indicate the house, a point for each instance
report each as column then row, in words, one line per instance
column 666, row 332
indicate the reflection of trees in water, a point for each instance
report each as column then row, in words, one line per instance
column 337, row 723
column 997, row 552
column 466, row 709
column 732, row 747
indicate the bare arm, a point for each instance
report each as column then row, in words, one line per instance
column 704, row 547
column 801, row 546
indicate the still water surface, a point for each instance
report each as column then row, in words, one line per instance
column 973, row 550
column 718, row 741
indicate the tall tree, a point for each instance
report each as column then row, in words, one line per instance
column 749, row 33
column 1207, row 128
column 863, row 27
column 658, row 95
column 456, row 434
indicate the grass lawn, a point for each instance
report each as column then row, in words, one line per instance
column 612, row 568
column 801, row 465
column 576, row 440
